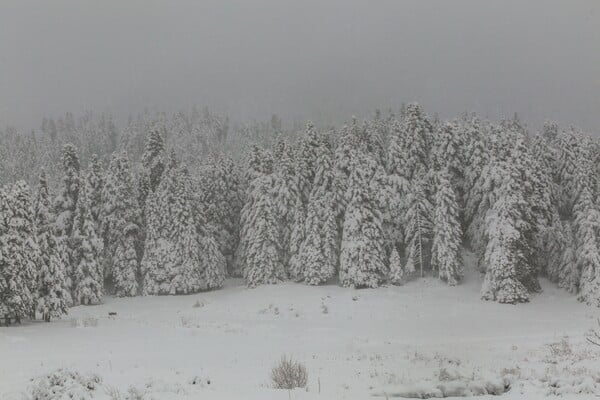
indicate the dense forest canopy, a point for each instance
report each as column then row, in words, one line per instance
column 174, row 204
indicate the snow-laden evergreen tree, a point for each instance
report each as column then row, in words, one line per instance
column 66, row 201
column 65, row 205
column 220, row 194
column 568, row 274
column 396, row 270
column 305, row 160
column 549, row 237
column 418, row 227
column 447, row 234
column 476, row 157
column 88, row 279
column 532, row 185
column 399, row 187
column 362, row 262
column 587, row 236
column 318, row 253
column 179, row 257
column 153, row 159
column 410, row 147
column 121, row 226
column 295, row 267
column 286, row 195
column 447, row 154
column 19, row 252
column 507, row 251
column 53, row 297
column 94, row 180
column 568, row 153
column 376, row 137
column 262, row 256
column 259, row 163
column 346, row 156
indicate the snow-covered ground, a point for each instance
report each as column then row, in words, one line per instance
column 356, row 344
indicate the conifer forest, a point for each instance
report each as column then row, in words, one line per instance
column 269, row 200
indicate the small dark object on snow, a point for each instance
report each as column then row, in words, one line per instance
column 112, row 314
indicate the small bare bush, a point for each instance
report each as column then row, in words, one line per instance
column 198, row 304
column 289, row 374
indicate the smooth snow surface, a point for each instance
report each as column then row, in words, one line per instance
column 356, row 343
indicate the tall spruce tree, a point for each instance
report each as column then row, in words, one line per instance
column 65, row 205
column 52, row 298
column 587, row 236
column 94, row 179
column 19, row 254
column 418, row 227
column 179, row 258
column 506, row 253
column 121, row 226
column 286, row 192
column 447, row 235
column 262, row 256
column 318, row 253
column 362, row 262
column 88, row 280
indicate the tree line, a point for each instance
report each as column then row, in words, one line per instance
column 380, row 201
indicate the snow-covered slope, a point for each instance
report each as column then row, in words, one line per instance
column 355, row 343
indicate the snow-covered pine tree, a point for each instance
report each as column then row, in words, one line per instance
column 179, row 258
column 568, row 274
column 121, row 226
column 447, row 234
column 94, row 180
column 399, row 187
column 259, row 163
column 66, row 201
column 587, row 236
column 65, row 205
column 362, row 248
column 568, row 153
column 411, row 158
column 396, row 270
column 305, row 160
column 295, row 267
column 346, row 154
column 220, row 195
column 548, row 237
column 376, row 132
column 318, row 253
column 447, row 154
column 507, row 251
column 262, row 255
column 418, row 222
column 19, row 254
column 531, row 185
column 153, row 159
column 476, row 158
column 286, row 195
column 88, row 279
column 201, row 264
column 52, row 298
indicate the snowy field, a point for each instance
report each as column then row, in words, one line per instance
column 356, row 344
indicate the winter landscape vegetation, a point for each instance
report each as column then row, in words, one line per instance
column 427, row 214
column 269, row 244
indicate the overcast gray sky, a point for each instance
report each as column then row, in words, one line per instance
column 324, row 60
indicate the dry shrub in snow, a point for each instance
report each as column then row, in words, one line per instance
column 289, row 374
column 64, row 384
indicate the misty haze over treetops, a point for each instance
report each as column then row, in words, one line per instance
column 319, row 60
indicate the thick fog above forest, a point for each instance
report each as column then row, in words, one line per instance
column 323, row 60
